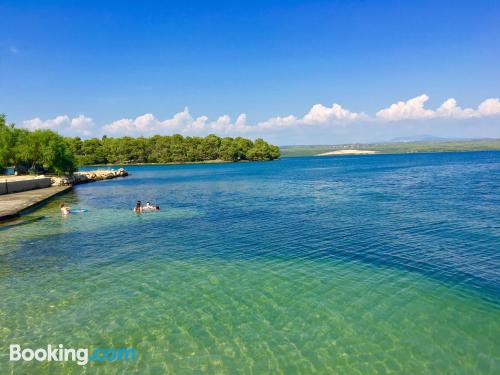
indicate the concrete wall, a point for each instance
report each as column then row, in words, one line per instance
column 15, row 186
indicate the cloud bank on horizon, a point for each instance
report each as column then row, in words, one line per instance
column 319, row 116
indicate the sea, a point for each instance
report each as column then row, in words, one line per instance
column 376, row 264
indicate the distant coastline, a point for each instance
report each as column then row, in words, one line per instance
column 348, row 152
column 391, row 148
column 171, row 163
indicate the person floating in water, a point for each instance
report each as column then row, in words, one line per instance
column 150, row 207
column 138, row 207
column 147, row 208
column 65, row 210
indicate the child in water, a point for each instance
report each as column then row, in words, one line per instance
column 64, row 209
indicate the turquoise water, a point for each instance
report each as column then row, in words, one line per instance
column 351, row 265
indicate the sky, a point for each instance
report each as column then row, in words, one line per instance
column 291, row 72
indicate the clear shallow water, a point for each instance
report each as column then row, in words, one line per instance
column 365, row 264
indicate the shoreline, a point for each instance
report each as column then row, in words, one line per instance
column 88, row 176
column 175, row 163
column 16, row 204
column 178, row 163
column 471, row 145
column 172, row 163
column 348, row 152
column 393, row 153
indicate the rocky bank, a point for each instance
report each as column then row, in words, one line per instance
column 89, row 176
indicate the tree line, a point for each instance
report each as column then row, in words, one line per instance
column 34, row 151
column 45, row 150
column 169, row 149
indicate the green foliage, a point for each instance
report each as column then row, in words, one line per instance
column 261, row 150
column 57, row 157
column 33, row 152
column 46, row 151
column 7, row 142
column 169, row 149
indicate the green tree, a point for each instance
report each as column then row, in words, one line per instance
column 39, row 151
column 7, row 143
column 243, row 145
column 74, row 145
column 229, row 150
column 58, row 157
column 211, row 145
column 168, row 149
column 92, row 152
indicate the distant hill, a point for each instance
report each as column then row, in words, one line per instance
column 397, row 147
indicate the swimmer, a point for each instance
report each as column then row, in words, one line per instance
column 138, row 207
column 149, row 207
column 64, row 209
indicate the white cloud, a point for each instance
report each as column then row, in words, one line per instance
column 223, row 123
column 197, row 125
column 279, row 122
column 148, row 124
column 414, row 109
column 318, row 116
column 123, row 127
column 183, row 122
column 77, row 126
column 52, row 124
column 450, row 109
column 489, row 107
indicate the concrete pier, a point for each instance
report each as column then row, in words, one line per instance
column 21, row 193
column 15, row 184
column 12, row 205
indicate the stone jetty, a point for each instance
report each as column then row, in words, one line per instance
column 15, row 204
column 16, row 184
column 28, row 193
column 89, row 176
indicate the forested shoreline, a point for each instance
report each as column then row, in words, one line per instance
column 43, row 151
column 169, row 149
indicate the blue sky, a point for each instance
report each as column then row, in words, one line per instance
column 93, row 67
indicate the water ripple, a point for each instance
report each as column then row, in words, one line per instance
column 379, row 264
